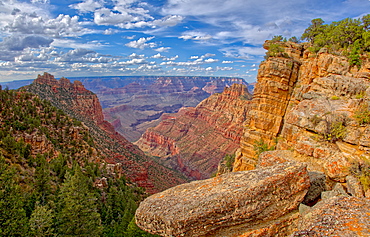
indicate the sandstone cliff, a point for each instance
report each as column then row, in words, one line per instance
column 134, row 104
column 312, row 109
column 121, row 155
column 302, row 103
column 194, row 140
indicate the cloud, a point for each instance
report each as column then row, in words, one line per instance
column 243, row 52
column 20, row 42
column 197, row 36
column 40, row 1
column 198, row 61
column 226, row 62
column 158, row 55
column 171, row 59
column 87, row 6
column 135, row 61
column 134, row 55
column 254, row 21
column 105, row 16
column 126, row 14
column 72, row 43
column 162, row 49
column 141, row 43
column 210, row 60
column 207, row 55
column 171, row 20
column 62, row 26
column 224, row 68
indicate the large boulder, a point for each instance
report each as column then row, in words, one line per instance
column 227, row 204
column 338, row 216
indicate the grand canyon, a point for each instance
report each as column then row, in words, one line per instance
column 196, row 155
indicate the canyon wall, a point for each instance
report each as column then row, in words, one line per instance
column 307, row 103
column 195, row 139
column 120, row 155
column 133, row 104
column 309, row 110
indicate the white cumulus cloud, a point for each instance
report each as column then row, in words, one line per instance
column 162, row 49
column 141, row 43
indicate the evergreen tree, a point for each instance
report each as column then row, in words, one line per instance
column 314, row 29
column 42, row 178
column 118, row 208
column 13, row 220
column 78, row 214
column 41, row 222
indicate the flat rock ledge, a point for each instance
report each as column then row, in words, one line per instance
column 219, row 206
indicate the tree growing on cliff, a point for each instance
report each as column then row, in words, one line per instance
column 348, row 37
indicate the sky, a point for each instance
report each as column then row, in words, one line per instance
column 74, row 38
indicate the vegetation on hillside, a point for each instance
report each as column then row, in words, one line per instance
column 52, row 181
column 348, row 37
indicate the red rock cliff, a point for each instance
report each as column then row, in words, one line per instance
column 194, row 140
column 121, row 155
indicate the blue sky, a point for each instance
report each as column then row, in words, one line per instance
column 165, row 37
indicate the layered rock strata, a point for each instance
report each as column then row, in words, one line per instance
column 134, row 104
column 122, row 156
column 261, row 202
column 275, row 83
column 194, row 140
column 307, row 103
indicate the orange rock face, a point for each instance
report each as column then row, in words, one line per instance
column 307, row 103
column 194, row 140
column 276, row 80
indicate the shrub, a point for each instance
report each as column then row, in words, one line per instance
column 276, row 50
column 362, row 114
column 229, row 161
column 360, row 95
column 260, row 146
column 362, row 172
column 334, row 97
column 336, row 129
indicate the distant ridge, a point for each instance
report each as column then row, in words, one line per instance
column 12, row 85
column 107, row 79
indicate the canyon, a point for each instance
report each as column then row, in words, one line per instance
column 133, row 104
column 301, row 146
column 308, row 124
column 195, row 140
column 120, row 155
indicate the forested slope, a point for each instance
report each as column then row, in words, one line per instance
column 52, row 179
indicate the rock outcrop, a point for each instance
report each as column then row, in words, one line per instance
column 262, row 202
column 307, row 103
column 123, row 157
column 73, row 96
column 339, row 216
column 312, row 109
column 194, row 140
column 276, row 80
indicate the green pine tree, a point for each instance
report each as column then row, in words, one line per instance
column 78, row 215
column 41, row 222
column 13, row 220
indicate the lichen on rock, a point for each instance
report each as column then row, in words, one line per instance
column 233, row 203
